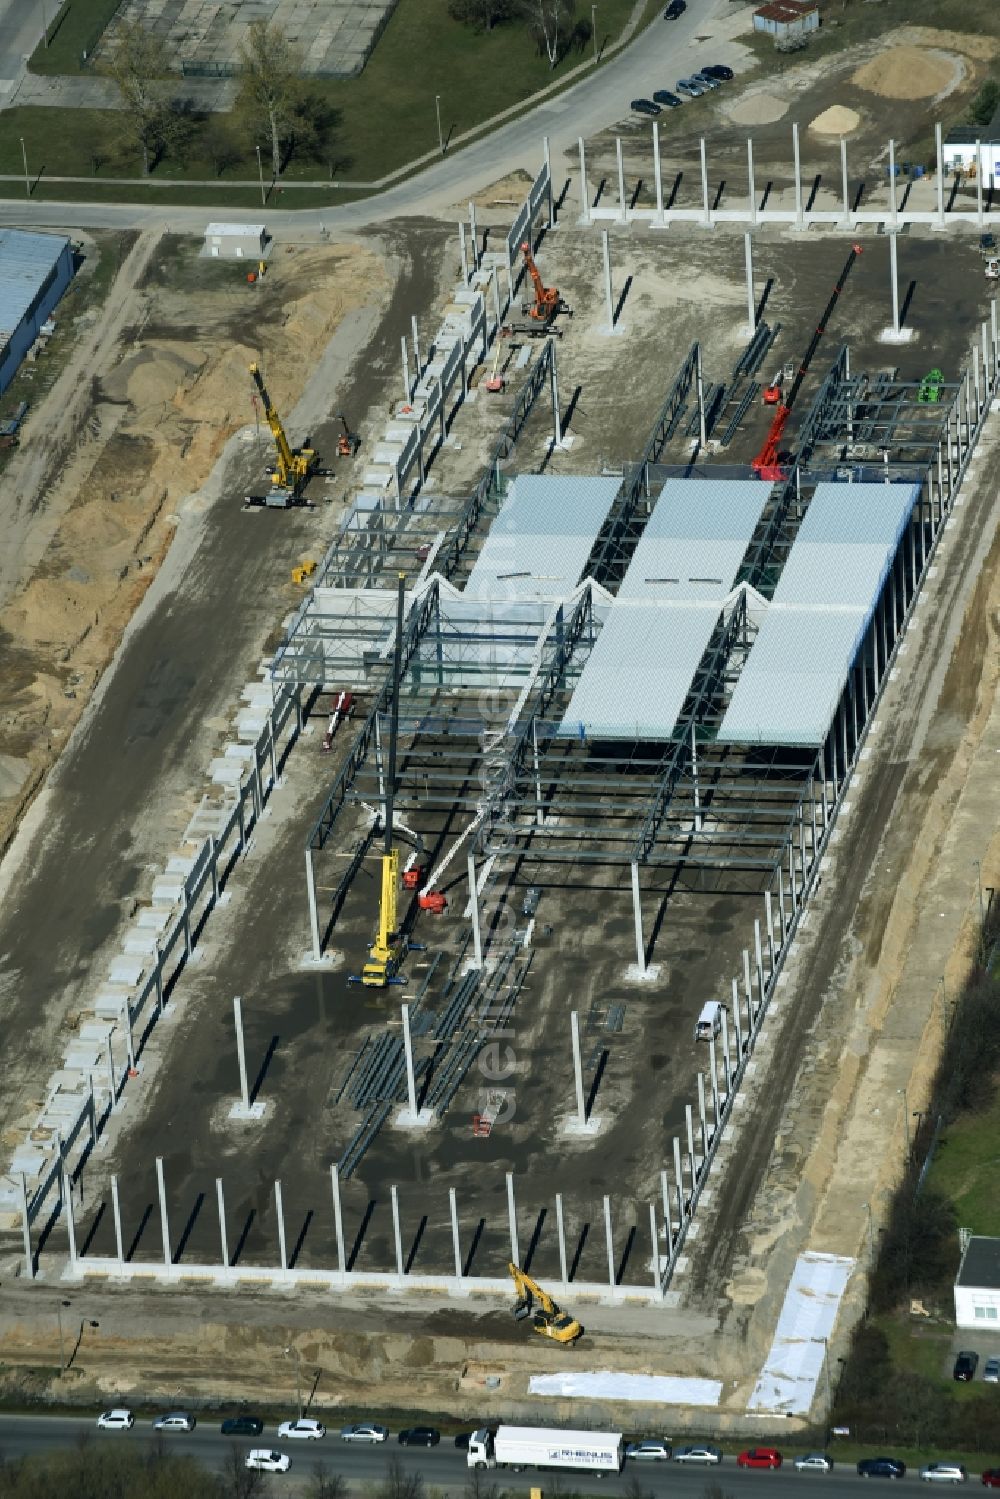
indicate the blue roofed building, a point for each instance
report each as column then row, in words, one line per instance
column 35, row 270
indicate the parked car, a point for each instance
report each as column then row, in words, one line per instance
column 175, row 1421
column 697, row 1455
column 674, row 9
column 644, row 107
column 706, row 80
column 759, row 1457
column 365, row 1431
column 419, row 1436
column 242, row 1426
column 943, row 1473
column 689, row 87
column 116, row 1420
column 266, row 1461
column 991, row 1478
column 667, row 99
column 305, row 1428
column 650, row 1450
column 718, row 70
column 991, row 1373
column 814, row 1462
column 965, row 1366
column 881, row 1467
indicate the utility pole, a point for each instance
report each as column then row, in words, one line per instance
column 593, row 28
column 298, row 1378
column 27, row 179
column 437, row 106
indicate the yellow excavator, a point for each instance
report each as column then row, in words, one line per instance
column 293, row 466
column 546, row 1318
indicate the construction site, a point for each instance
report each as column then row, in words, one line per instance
column 508, row 876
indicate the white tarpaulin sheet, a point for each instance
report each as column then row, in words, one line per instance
column 787, row 1383
column 662, row 1389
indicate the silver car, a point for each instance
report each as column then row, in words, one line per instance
column 175, row 1421
column 706, row 80
column 366, row 1431
column 814, row 1462
column 943, row 1473
column 653, row 1450
column 697, row 1455
column 991, row 1373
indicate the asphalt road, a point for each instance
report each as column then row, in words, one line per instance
column 441, row 1467
column 654, row 59
column 20, row 33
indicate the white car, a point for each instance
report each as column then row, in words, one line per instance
column 116, row 1420
column 814, row 1462
column 176, row 1421
column 697, row 1455
column 305, row 1427
column 367, row 1431
column 943, row 1473
column 652, row 1450
column 266, row 1461
column 991, row 1373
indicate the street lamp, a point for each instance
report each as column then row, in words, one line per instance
column 260, row 174
column 437, row 106
column 62, row 1345
column 298, row 1377
column 593, row 28
column 27, row 179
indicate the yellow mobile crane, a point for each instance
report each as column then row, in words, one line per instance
column 547, row 1319
column 390, row 945
column 294, row 465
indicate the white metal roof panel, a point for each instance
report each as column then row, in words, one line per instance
column 787, row 1382
column 640, row 670
column 695, row 540
column 220, row 229
column 539, row 543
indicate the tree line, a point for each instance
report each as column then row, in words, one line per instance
column 554, row 24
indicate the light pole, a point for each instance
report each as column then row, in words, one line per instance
column 27, row 179
column 437, row 107
column 260, row 174
column 593, row 28
column 298, row 1377
column 62, row 1345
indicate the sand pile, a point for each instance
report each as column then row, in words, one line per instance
column 758, row 109
column 836, row 121
column 148, row 377
column 910, row 73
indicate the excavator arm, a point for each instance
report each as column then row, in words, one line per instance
column 548, row 1320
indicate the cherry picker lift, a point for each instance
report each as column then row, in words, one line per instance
column 767, row 464
column 293, row 467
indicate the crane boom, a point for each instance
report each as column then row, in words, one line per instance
column 284, row 448
column 547, row 300
column 548, row 1320
column 766, row 465
column 386, row 952
column 293, row 466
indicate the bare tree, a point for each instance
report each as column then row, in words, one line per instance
column 137, row 62
column 241, row 1482
column 270, row 91
column 551, row 22
column 398, row 1484
column 482, row 14
column 323, row 1484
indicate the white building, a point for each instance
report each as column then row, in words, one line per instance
column 977, row 1285
column 236, row 241
column 787, row 18
column 968, row 145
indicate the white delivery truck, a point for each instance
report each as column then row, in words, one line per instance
column 520, row 1447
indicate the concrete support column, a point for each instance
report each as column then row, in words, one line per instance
column 112, row 1084
column 694, row 777
column 411, row 1082
column 241, row 1053
column 338, row 1219
column 581, row 1109
column 640, row 944
column 979, row 183
column 406, row 368
column 844, row 186
column 67, row 1195
column 397, row 1235
column 415, row 335
column 758, row 959
column 751, row 301
column 456, row 1242
column 692, row 1160
column 668, row 1230
column 554, row 380
column 894, row 281
column 220, row 1198
column 769, row 923
column 549, row 199
column 515, row 1253
column 657, row 173
column 713, row 1069
column 797, row 162
column 737, row 1022
column 584, row 190
column 893, row 196
column 561, row 1236
column 164, row 1225
column 939, row 147
column 702, row 1115
column 29, row 1254
column 622, row 205
column 477, row 937
column 129, row 1039
column 116, row 1214
column 700, row 384
column 608, row 295
column 317, row 950
column 280, row 1211
column 748, row 994
column 706, row 206
column 609, row 1236
column 679, row 1184
column 463, row 253
column 213, row 865
column 473, row 235
column 727, row 1057
column 654, row 1242
column 751, row 186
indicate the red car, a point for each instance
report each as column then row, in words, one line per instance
column 759, row 1457
column 991, row 1478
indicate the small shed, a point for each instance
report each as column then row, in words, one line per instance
column 972, row 149
column 977, row 1285
column 236, row 241
column 35, row 270
column 787, row 18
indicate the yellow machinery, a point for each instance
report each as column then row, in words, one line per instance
column 303, row 570
column 294, row 465
column 546, row 1318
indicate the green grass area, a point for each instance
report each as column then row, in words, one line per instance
column 75, row 29
column 967, row 1170
column 379, row 121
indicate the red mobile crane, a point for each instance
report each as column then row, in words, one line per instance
column 766, row 465
column 539, row 315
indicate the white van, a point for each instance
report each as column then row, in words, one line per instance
column 709, row 1023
